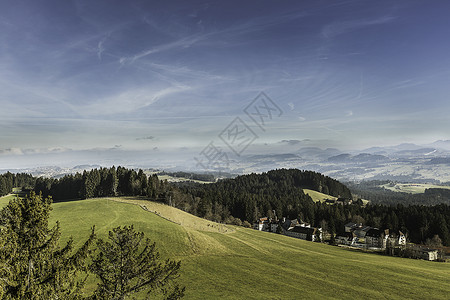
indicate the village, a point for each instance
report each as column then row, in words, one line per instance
column 355, row 236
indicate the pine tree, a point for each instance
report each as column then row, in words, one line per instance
column 143, row 181
column 127, row 264
column 33, row 265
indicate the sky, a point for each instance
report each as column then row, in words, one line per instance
column 168, row 78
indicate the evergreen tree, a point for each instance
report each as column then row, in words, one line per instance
column 143, row 181
column 89, row 186
column 127, row 264
column 36, row 266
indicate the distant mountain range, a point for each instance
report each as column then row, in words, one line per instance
column 404, row 162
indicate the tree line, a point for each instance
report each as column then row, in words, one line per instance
column 8, row 181
column 246, row 198
column 374, row 191
column 103, row 182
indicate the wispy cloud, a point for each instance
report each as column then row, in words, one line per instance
column 177, row 44
column 130, row 100
column 255, row 24
column 341, row 27
column 100, row 49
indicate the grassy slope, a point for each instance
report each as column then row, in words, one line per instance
column 317, row 196
column 321, row 197
column 245, row 263
column 251, row 264
column 5, row 199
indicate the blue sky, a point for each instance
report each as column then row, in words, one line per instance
column 169, row 76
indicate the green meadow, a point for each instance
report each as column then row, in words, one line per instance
column 223, row 262
column 412, row 188
column 321, row 197
column 5, row 199
column 318, row 196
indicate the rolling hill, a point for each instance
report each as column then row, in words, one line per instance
column 222, row 262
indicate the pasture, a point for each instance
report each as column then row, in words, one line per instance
column 243, row 263
column 317, row 196
column 412, row 188
column 228, row 262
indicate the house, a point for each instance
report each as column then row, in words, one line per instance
column 377, row 238
column 294, row 222
column 262, row 224
column 348, row 238
column 285, row 224
column 417, row 251
column 430, row 254
column 330, row 201
column 401, row 239
column 344, row 201
column 305, row 233
column 274, row 225
column 397, row 239
column 349, row 227
column 361, row 231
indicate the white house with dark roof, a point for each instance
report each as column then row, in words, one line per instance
column 397, row 239
column 348, row 238
column 262, row 224
column 349, row 227
column 361, row 231
column 426, row 253
column 377, row 238
column 305, row 233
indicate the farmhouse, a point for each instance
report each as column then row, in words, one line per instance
column 349, row 227
column 305, row 233
column 274, row 226
column 361, row 231
column 287, row 224
column 344, row 201
column 377, row 238
column 292, row 228
column 262, row 224
column 348, row 238
column 266, row 224
column 417, row 251
column 397, row 239
column 330, row 201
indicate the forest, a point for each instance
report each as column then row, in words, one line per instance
column 243, row 199
column 249, row 197
column 374, row 191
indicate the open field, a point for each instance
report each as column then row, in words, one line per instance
column 248, row 264
column 317, row 196
column 412, row 188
